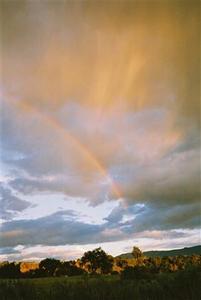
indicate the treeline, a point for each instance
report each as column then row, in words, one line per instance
column 98, row 262
column 48, row 267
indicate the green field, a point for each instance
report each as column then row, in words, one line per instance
column 174, row 286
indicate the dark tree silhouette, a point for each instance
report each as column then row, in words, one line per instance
column 97, row 261
column 49, row 266
column 68, row 268
column 10, row 270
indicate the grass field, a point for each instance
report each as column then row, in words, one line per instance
column 183, row 285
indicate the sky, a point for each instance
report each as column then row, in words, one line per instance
column 100, row 127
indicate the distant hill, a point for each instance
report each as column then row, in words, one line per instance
column 174, row 252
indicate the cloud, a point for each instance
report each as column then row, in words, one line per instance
column 91, row 110
column 8, row 251
column 118, row 213
column 171, row 180
column 156, row 168
column 57, row 229
column 105, row 56
column 10, row 205
column 63, row 228
column 144, row 157
column 49, row 159
column 139, row 218
column 163, row 218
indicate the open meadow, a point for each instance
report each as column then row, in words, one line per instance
column 184, row 285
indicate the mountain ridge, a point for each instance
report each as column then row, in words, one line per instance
column 161, row 253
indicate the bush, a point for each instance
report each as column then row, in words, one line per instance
column 137, row 272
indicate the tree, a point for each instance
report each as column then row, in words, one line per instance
column 122, row 263
column 10, row 270
column 49, row 265
column 97, row 261
column 137, row 253
column 69, row 268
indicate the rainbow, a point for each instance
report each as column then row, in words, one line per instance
column 81, row 147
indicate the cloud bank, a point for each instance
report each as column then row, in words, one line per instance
column 106, row 110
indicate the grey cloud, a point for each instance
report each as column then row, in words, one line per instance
column 57, row 229
column 47, row 159
column 163, row 218
column 39, row 255
column 191, row 140
column 117, row 214
column 152, row 217
column 89, row 188
column 8, row 250
column 172, row 180
column 25, row 138
column 10, row 204
column 62, row 228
